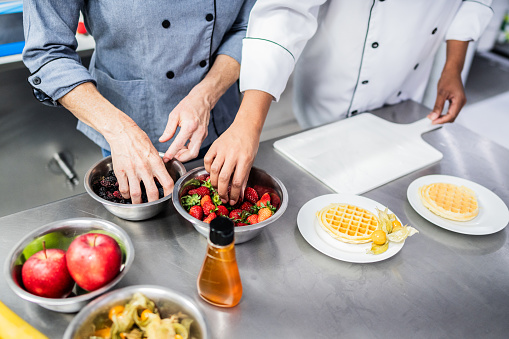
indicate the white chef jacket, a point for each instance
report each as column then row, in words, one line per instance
column 351, row 56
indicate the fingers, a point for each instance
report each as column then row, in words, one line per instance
column 439, row 106
column 219, row 176
column 193, row 148
column 166, row 182
column 134, row 189
column 171, row 128
column 130, row 178
column 164, row 178
column 456, row 103
column 123, row 184
column 177, row 144
column 454, row 109
column 223, row 180
column 208, row 159
column 227, row 172
column 239, row 181
column 213, row 164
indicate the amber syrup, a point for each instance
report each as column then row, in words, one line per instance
column 219, row 279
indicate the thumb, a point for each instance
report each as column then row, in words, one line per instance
column 438, row 108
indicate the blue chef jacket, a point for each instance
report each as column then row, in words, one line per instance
column 149, row 54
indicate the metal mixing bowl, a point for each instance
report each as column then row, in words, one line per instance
column 242, row 233
column 59, row 234
column 167, row 301
column 132, row 212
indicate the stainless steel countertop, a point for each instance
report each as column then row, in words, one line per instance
column 440, row 285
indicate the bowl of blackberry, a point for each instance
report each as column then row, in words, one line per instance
column 102, row 185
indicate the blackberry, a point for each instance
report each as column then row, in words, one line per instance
column 106, row 187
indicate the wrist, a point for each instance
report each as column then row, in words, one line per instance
column 113, row 123
column 455, row 56
column 452, row 68
column 207, row 92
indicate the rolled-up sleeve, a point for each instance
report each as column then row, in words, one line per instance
column 231, row 44
column 470, row 21
column 50, row 48
column 277, row 33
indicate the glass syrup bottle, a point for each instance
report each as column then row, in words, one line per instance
column 219, row 279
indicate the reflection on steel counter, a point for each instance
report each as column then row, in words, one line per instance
column 62, row 161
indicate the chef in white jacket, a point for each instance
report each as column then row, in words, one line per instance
column 349, row 57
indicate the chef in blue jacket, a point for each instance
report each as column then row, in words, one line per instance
column 163, row 77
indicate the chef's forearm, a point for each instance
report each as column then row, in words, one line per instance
column 90, row 107
column 253, row 110
column 221, row 76
column 455, row 57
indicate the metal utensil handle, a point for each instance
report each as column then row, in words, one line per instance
column 68, row 171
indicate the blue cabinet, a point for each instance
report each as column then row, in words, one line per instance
column 11, row 28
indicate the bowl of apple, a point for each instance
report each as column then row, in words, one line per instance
column 65, row 264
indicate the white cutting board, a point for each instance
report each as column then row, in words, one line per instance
column 358, row 154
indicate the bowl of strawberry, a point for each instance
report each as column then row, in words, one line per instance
column 265, row 200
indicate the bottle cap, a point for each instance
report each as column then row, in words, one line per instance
column 221, row 231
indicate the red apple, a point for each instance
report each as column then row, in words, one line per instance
column 45, row 274
column 93, row 260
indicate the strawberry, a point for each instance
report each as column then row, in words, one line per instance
column 252, row 219
column 190, row 200
column 222, row 211
column 197, row 212
column 203, row 177
column 210, row 218
column 261, row 190
column 264, row 214
column 187, row 188
column 251, row 195
column 235, row 214
column 246, row 206
column 208, row 207
column 264, row 200
column 204, row 199
column 201, row 191
column 275, row 200
column 240, row 224
column 207, row 184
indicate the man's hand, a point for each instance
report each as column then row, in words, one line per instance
column 231, row 156
column 192, row 115
column 134, row 157
column 450, row 87
column 136, row 160
column 193, row 112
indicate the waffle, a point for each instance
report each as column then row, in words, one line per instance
column 347, row 223
column 449, row 201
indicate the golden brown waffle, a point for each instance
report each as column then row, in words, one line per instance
column 347, row 223
column 449, row 201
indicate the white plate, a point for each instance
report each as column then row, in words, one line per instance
column 310, row 229
column 493, row 213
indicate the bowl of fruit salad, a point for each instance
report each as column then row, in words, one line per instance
column 101, row 184
column 265, row 200
column 139, row 311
